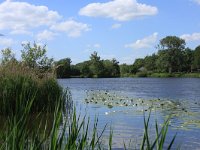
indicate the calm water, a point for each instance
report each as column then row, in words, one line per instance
column 127, row 121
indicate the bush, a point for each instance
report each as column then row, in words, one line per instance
column 142, row 74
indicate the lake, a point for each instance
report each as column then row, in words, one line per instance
column 122, row 102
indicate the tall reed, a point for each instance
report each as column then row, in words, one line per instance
column 18, row 84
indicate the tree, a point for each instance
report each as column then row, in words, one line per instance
column 173, row 46
column 84, row 68
column 162, row 63
column 63, row 68
column 96, row 67
column 34, row 56
column 7, row 56
column 188, row 57
column 150, row 62
column 138, row 64
column 126, row 69
column 197, row 57
column 111, row 68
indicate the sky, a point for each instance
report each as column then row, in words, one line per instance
column 121, row 29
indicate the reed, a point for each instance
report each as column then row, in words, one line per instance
column 19, row 84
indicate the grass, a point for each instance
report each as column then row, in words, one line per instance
column 159, row 141
column 19, row 84
column 73, row 134
column 26, row 94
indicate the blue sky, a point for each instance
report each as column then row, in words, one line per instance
column 121, row 29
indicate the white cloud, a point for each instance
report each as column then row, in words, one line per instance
column 191, row 37
column 197, row 1
column 25, row 32
column 120, row 10
column 22, row 16
column 71, row 27
column 45, row 35
column 146, row 42
column 116, row 26
column 6, row 42
column 97, row 45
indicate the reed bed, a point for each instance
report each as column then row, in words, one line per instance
column 26, row 92
column 19, row 84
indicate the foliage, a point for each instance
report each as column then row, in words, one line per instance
column 63, row 68
column 197, row 57
column 159, row 141
column 34, row 56
column 19, row 84
column 7, row 56
column 111, row 68
column 173, row 46
column 96, row 66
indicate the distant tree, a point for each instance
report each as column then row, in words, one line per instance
column 84, row 68
column 111, row 68
column 34, row 56
column 150, row 62
column 138, row 64
column 197, row 57
column 173, row 47
column 162, row 63
column 188, row 57
column 126, row 69
column 96, row 67
column 75, row 72
column 7, row 56
column 63, row 68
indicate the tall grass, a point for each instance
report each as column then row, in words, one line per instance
column 73, row 134
column 157, row 143
column 19, row 84
column 26, row 94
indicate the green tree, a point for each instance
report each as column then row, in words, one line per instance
column 111, row 68
column 150, row 62
column 188, row 57
column 63, row 68
column 84, row 68
column 126, row 70
column 96, row 67
column 7, row 56
column 34, row 56
column 138, row 64
column 162, row 63
column 173, row 47
column 197, row 58
column 75, row 72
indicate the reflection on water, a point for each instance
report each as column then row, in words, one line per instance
column 114, row 102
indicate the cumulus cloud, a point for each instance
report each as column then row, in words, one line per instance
column 6, row 42
column 22, row 16
column 191, row 37
column 116, row 26
column 146, row 42
column 120, row 10
column 197, row 1
column 71, row 27
column 45, row 35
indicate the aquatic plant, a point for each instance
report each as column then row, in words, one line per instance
column 19, row 84
column 158, row 143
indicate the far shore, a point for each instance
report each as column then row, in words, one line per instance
column 149, row 75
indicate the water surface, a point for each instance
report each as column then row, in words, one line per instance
column 127, row 121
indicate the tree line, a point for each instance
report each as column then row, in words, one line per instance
column 172, row 57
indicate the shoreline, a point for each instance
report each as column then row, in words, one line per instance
column 152, row 75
